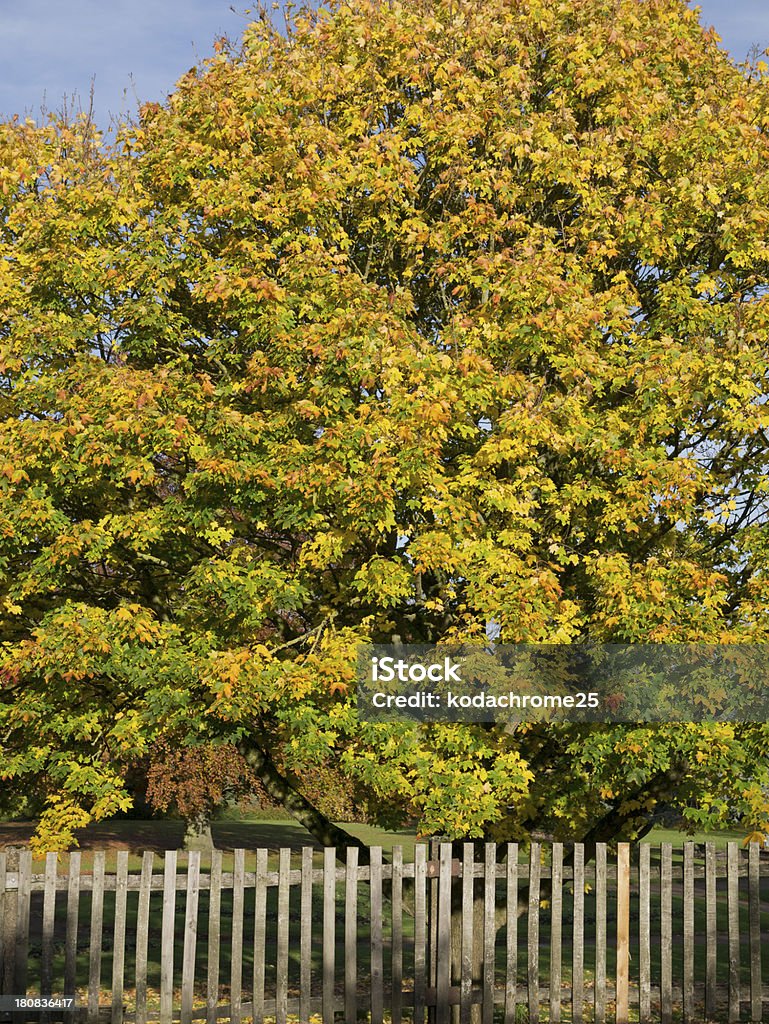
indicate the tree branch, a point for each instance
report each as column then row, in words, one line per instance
column 281, row 790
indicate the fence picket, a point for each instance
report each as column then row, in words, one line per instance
column 167, row 938
column 7, row 926
column 49, row 915
column 236, row 939
column 281, row 976
column 578, row 936
column 377, row 966
column 754, row 910
column 22, row 920
column 4, row 907
column 97, row 923
column 623, row 934
column 432, row 917
column 733, row 916
column 215, row 936
column 443, row 980
column 511, row 969
column 260, row 935
column 644, row 933
column 666, row 932
column 556, row 929
column 305, row 936
column 468, row 921
column 600, row 933
column 190, row 935
column 533, row 932
column 489, row 907
column 688, row 912
column 351, row 935
column 329, row 933
column 420, row 931
column 396, row 931
column 118, row 936
column 142, row 934
column 711, row 935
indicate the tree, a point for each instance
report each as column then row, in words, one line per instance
column 416, row 318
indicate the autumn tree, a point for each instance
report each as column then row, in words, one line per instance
column 412, row 319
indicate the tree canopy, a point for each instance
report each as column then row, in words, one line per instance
column 417, row 317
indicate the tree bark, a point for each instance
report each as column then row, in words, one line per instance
column 197, row 833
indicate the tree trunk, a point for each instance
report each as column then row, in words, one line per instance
column 197, row 834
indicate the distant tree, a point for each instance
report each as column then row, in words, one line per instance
column 195, row 781
column 420, row 316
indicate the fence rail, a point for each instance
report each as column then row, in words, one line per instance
column 471, row 933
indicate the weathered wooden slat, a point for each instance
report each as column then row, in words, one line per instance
column 623, row 934
column 666, row 932
column 711, row 934
column 6, row 944
column 432, row 916
column 688, row 913
column 396, row 931
column 443, row 980
column 260, row 936
column 466, row 974
column 236, row 941
column 556, row 931
column 489, row 931
column 377, row 956
column 215, row 935
column 733, row 917
column 351, row 936
column 7, row 927
column 119, row 935
column 167, row 939
column 754, row 911
column 22, row 921
column 329, row 934
column 578, row 937
column 511, row 920
column 49, row 916
column 37, row 881
column 305, row 936
column 190, row 935
column 420, row 931
column 281, row 969
column 533, row 932
column 97, row 923
column 142, row 936
column 3, row 915
column 644, row 933
column 600, row 933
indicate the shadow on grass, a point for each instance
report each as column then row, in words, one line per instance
column 137, row 836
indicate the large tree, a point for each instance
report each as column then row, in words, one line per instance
column 411, row 319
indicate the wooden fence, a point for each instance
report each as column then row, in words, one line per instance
column 644, row 934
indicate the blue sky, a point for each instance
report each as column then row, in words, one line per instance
column 135, row 50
